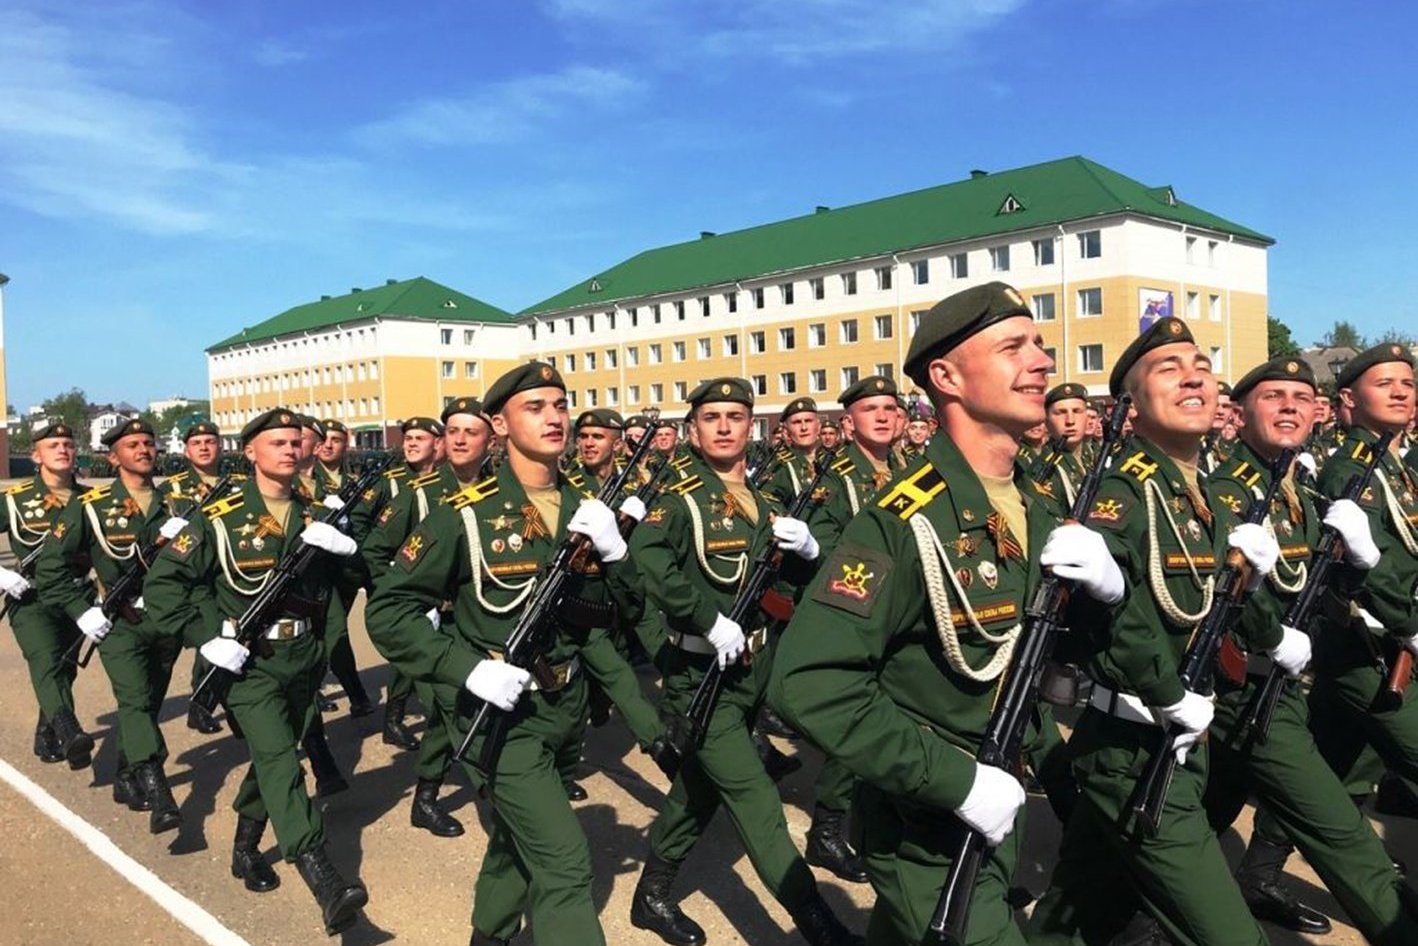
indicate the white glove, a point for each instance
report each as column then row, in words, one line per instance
column 498, row 683
column 1193, row 715
column 13, row 583
column 174, row 525
column 1346, row 518
column 1307, row 460
column 1259, row 547
column 94, row 625
column 322, row 535
column 793, row 535
column 1079, row 554
column 994, row 800
column 634, row 507
column 595, row 521
column 225, row 653
column 1293, row 651
column 433, row 618
column 332, row 501
column 728, row 640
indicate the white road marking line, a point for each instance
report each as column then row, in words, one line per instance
column 183, row 910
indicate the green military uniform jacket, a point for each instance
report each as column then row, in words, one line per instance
column 371, row 503
column 852, row 485
column 187, row 485
column 28, row 512
column 1062, row 484
column 792, row 469
column 897, row 681
column 402, row 514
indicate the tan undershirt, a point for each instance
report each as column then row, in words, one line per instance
column 1005, row 498
column 64, row 495
column 308, row 482
column 337, row 478
column 143, row 497
column 278, row 508
column 547, row 500
column 1189, row 475
column 743, row 497
column 208, row 479
column 880, row 466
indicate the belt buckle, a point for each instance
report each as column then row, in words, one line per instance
column 285, row 629
column 757, row 640
column 562, row 672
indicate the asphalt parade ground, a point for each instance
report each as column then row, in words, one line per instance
column 77, row 869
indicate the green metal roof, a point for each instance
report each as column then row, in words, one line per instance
column 416, row 298
column 1056, row 192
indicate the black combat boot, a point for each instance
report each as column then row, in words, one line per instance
column 165, row 814
column 826, row 846
column 574, row 791
column 820, row 926
column 340, row 902
column 76, row 745
column 328, row 780
column 429, row 815
column 1260, row 879
column 46, row 744
column 247, row 864
column 771, row 724
column 652, row 907
column 127, row 790
column 778, row 765
column 201, row 713
column 1395, row 798
column 395, row 732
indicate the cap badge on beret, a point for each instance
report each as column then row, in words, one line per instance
column 1174, row 327
column 1013, row 295
column 1291, row 367
column 1395, row 349
column 546, row 373
column 285, row 418
column 724, row 389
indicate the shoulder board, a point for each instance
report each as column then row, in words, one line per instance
column 1139, row 466
column 910, row 495
column 397, row 474
column 576, row 480
column 785, row 454
column 426, row 479
column 19, row 488
column 679, row 463
column 221, row 507
column 686, row 486
column 1360, row 452
column 95, row 494
column 469, row 495
column 1246, row 473
column 844, row 466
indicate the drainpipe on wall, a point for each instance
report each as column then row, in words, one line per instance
column 1065, row 352
column 1230, row 352
column 383, row 393
column 900, row 321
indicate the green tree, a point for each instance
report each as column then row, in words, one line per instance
column 69, row 407
column 1280, row 343
column 1393, row 335
column 1343, row 335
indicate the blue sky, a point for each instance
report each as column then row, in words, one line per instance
column 172, row 171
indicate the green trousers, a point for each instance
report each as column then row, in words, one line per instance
column 726, row 770
column 339, row 652
column 606, row 665
column 273, row 702
column 400, row 687
column 138, row 659
column 537, row 861
column 435, row 752
column 1311, row 807
column 1346, row 725
column 44, row 636
column 1106, row 870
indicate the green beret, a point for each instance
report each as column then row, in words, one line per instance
column 870, row 386
column 277, row 418
column 1223, row 388
column 134, row 426
column 1167, row 331
column 55, row 428
column 310, row 423
column 600, row 417
column 422, row 423
column 832, row 424
column 1325, row 389
column 1276, row 369
column 736, row 390
column 534, row 374
column 1378, row 355
column 955, row 318
column 199, row 428
column 798, row 406
column 334, row 427
column 1063, row 392
column 464, row 405
column 637, row 420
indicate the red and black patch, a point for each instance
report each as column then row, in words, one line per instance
column 852, row 579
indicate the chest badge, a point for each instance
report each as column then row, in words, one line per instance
column 514, row 542
column 1194, row 530
column 964, row 546
column 989, row 574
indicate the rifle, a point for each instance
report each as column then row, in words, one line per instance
column 685, row 734
column 118, row 599
column 27, row 570
column 1328, row 552
column 535, row 630
column 266, row 606
column 766, row 469
column 1003, row 741
column 1049, row 459
column 1199, row 662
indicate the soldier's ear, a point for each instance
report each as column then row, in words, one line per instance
column 499, row 424
column 944, row 376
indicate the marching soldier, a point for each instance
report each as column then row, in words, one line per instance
column 692, row 549
column 1066, row 413
column 831, row 434
column 793, row 465
column 31, row 508
column 1167, row 535
column 104, row 529
column 918, row 433
column 1302, row 796
column 484, row 549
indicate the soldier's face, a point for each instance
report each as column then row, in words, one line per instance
column 134, row 453
column 535, row 422
column 275, row 453
column 874, row 420
column 1095, row 424
column 595, row 446
column 332, row 449
column 54, row 455
column 1068, row 418
column 633, row 435
column 900, row 422
column 830, row 437
column 1323, row 411
column 1037, row 435
column 1173, row 390
column 997, row 376
column 466, row 438
column 722, row 428
column 1277, row 414
column 203, row 450
column 309, row 441
column 418, row 447
column 917, row 432
column 665, row 439
column 1223, row 411
column 804, row 429
column 1382, row 398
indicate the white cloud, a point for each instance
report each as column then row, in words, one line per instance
column 275, row 52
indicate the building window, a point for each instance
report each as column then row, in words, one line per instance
column 679, row 310
column 470, row 369
column 1053, row 354
column 999, row 258
column 760, row 429
column 921, row 272
column 760, row 384
column 1210, row 252
column 787, row 290
column 1193, row 305
column 657, row 353
column 883, row 327
column 467, row 336
column 590, row 397
column 1044, row 307
column 787, row 339
column 570, row 362
column 817, row 335
column 679, row 351
column 849, row 284
column 591, row 327
column 1213, row 307
column 359, row 373
column 1216, row 363
column 612, row 397
column 886, row 370
column 1090, row 358
column 916, row 317
column 704, row 306
column 849, row 331
column 448, row 369
column 883, row 278
column 590, row 361
column 817, row 380
column 446, row 336
column 611, row 358
column 655, row 312
column 1090, row 302
column 680, row 393
column 756, row 343
column 364, row 407
column 1191, row 249
column 632, row 357
column 657, row 393
column 1090, row 244
column 610, row 319
column 633, row 393
column 850, row 375
column 570, row 326
column 788, row 382
column 1044, row 252
column 731, row 300
column 757, row 297
column 703, row 346
column 634, row 316
column 960, row 265
column 374, row 371
column 571, row 399
column 819, row 290
column 731, row 345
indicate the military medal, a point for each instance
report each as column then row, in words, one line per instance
column 1286, row 527
column 514, row 542
column 989, row 574
column 1194, row 530
column 964, row 577
column 258, row 543
column 122, row 522
column 498, row 545
column 964, row 546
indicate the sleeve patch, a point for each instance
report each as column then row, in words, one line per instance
column 413, row 549
column 1107, row 512
column 852, row 579
column 181, row 548
column 385, row 515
